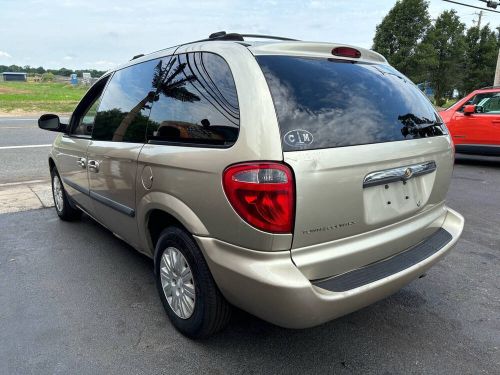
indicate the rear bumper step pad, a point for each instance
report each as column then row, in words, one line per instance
column 387, row 267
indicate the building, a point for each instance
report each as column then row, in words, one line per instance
column 14, row 76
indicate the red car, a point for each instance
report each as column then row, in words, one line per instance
column 474, row 122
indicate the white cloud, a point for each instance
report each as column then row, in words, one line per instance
column 5, row 54
column 68, row 58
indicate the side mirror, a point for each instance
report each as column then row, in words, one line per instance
column 51, row 122
column 469, row 109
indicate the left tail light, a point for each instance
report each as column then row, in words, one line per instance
column 262, row 194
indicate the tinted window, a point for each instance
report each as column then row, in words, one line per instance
column 490, row 105
column 195, row 101
column 125, row 105
column 86, row 121
column 82, row 120
column 323, row 103
column 487, row 103
column 475, row 100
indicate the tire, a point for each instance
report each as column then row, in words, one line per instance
column 64, row 209
column 209, row 312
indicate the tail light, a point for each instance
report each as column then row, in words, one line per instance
column 346, row 52
column 262, row 194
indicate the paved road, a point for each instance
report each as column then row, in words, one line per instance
column 20, row 163
column 74, row 299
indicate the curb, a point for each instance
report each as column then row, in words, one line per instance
column 23, row 197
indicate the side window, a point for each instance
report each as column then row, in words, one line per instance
column 195, row 101
column 82, row 121
column 86, row 121
column 489, row 105
column 475, row 100
column 124, row 108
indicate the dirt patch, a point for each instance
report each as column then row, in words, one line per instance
column 12, row 90
column 21, row 113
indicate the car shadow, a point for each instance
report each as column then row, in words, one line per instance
column 479, row 160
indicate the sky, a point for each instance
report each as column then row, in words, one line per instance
column 100, row 34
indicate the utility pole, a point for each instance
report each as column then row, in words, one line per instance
column 490, row 4
column 479, row 18
column 496, row 82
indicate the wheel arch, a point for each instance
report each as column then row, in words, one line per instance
column 157, row 211
column 52, row 163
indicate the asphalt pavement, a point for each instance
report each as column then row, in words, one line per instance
column 24, row 150
column 75, row 299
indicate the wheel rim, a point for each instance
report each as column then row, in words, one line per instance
column 58, row 193
column 177, row 283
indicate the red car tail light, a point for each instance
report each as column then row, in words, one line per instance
column 262, row 194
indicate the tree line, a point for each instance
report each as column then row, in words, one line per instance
column 443, row 52
column 40, row 70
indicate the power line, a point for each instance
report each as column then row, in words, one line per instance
column 471, row 6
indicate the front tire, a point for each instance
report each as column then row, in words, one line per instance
column 63, row 208
column 187, row 289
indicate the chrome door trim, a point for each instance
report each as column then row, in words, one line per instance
column 398, row 174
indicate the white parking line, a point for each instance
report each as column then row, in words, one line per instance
column 23, row 146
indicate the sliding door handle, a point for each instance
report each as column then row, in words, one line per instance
column 93, row 166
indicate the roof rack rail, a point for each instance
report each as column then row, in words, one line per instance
column 137, row 56
column 222, row 35
column 489, row 87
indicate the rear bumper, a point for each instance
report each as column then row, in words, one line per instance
column 270, row 286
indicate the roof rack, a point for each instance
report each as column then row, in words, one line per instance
column 222, row 35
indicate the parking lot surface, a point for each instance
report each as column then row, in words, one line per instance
column 24, row 150
column 75, row 299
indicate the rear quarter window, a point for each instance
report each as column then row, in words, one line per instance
column 323, row 103
column 196, row 101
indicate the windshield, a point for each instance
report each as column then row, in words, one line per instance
column 322, row 103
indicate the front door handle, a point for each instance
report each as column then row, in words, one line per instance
column 93, row 166
column 82, row 162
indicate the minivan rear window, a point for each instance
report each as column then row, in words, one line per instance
column 324, row 103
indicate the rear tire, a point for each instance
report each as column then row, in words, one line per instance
column 61, row 202
column 199, row 314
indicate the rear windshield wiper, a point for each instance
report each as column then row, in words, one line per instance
column 414, row 125
column 420, row 129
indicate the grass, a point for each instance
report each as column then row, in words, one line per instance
column 449, row 103
column 52, row 97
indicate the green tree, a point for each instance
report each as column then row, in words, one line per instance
column 480, row 58
column 400, row 33
column 444, row 51
column 47, row 77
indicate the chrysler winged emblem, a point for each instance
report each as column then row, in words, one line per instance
column 407, row 174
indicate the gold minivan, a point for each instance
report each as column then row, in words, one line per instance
column 298, row 181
